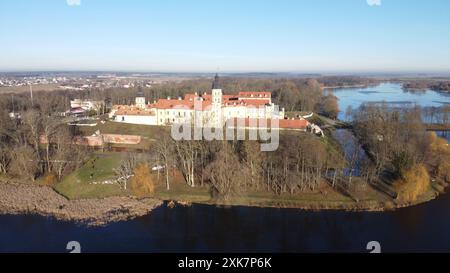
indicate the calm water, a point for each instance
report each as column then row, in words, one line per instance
column 205, row 228
column 388, row 92
column 393, row 94
column 353, row 151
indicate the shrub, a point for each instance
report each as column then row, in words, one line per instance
column 50, row 180
column 142, row 183
column 444, row 171
column 440, row 157
column 414, row 182
column 402, row 162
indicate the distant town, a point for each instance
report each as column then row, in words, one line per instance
column 81, row 81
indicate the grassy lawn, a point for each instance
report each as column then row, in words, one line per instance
column 79, row 184
column 294, row 114
column 179, row 190
column 326, row 197
column 111, row 127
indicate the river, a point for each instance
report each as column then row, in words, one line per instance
column 423, row 228
column 239, row 229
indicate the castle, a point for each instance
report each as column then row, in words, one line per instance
column 212, row 109
column 208, row 110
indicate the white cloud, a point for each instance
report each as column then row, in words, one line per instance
column 73, row 2
column 374, row 3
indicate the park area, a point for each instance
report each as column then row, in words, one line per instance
column 92, row 180
column 96, row 179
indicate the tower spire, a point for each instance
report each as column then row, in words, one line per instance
column 216, row 84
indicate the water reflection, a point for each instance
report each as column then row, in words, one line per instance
column 207, row 228
column 353, row 151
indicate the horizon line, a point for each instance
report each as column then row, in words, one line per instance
column 305, row 72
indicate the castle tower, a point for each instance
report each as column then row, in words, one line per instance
column 140, row 99
column 216, row 93
column 216, row 103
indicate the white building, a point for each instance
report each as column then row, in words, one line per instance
column 86, row 105
column 210, row 110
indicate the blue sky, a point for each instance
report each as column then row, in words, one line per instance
column 229, row 35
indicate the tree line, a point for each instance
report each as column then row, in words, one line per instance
column 37, row 142
column 235, row 168
column 400, row 147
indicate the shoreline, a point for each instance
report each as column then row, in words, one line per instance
column 22, row 199
column 346, row 86
column 28, row 199
column 361, row 206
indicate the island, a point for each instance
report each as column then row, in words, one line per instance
column 109, row 154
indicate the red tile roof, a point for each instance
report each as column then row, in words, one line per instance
column 297, row 124
column 255, row 102
column 126, row 110
column 172, row 104
column 267, row 95
column 243, row 99
column 134, row 112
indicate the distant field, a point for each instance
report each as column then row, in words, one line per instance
column 36, row 88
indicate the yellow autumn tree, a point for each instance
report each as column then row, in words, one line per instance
column 415, row 182
column 50, row 180
column 141, row 183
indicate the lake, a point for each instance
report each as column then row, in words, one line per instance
column 391, row 93
column 424, row 228
column 394, row 95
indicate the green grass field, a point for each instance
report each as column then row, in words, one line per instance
column 179, row 190
column 79, row 184
column 111, row 127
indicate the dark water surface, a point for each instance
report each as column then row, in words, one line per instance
column 206, row 228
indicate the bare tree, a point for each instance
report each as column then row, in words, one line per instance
column 50, row 126
column 25, row 162
column 164, row 147
column 225, row 173
column 126, row 169
column 5, row 158
column 187, row 152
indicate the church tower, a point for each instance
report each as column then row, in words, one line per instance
column 140, row 99
column 216, row 92
column 217, row 102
